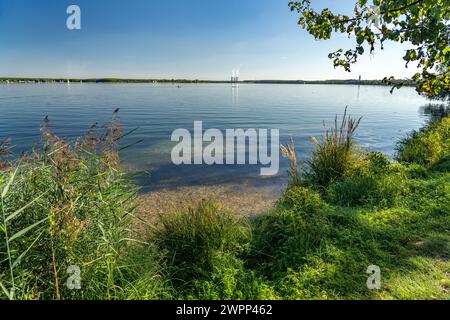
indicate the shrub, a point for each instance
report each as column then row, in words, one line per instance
column 377, row 182
column 231, row 280
column 377, row 162
column 302, row 200
column 426, row 146
column 191, row 240
column 443, row 165
column 66, row 205
column 335, row 156
column 365, row 188
column 283, row 237
column 417, row 171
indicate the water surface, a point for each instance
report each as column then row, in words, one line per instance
column 157, row 110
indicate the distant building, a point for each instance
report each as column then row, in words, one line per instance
column 235, row 77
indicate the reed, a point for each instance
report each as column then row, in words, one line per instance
column 79, row 215
column 334, row 156
column 5, row 152
column 288, row 151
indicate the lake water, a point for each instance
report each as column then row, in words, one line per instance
column 297, row 110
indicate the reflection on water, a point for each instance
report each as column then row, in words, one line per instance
column 297, row 110
column 235, row 94
column 436, row 111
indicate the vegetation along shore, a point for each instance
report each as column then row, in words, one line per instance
column 67, row 204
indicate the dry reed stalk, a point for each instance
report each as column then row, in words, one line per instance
column 289, row 152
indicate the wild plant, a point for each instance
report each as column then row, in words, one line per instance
column 334, row 156
column 65, row 205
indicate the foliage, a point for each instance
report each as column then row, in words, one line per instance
column 192, row 240
column 283, row 237
column 422, row 23
column 334, row 156
column 427, row 146
column 66, row 205
column 376, row 182
column 310, row 249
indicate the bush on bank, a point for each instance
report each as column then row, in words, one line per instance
column 71, row 205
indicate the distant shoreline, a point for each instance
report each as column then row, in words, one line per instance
column 15, row 80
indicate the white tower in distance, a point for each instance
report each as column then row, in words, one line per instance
column 235, row 77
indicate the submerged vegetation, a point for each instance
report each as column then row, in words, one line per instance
column 69, row 205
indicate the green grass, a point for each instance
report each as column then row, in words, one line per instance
column 193, row 240
column 67, row 205
column 427, row 146
column 335, row 154
column 374, row 182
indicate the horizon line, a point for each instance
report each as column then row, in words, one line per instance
column 181, row 79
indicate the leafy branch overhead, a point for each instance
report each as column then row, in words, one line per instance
column 424, row 24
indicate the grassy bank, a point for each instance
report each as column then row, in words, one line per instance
column 70, row 205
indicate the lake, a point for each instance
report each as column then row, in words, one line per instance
column 156, row 110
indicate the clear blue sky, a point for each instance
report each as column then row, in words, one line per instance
column 194, row 39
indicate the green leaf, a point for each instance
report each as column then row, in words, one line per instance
column 17, row 261
column 11, row 179
column 13, row 215
column 25, row 230
column 5, row 290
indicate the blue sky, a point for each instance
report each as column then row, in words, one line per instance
column 194, row 39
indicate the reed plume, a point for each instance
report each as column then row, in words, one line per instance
column 288, row 151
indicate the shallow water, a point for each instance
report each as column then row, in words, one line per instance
column 157, row 110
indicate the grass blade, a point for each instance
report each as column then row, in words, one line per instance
column 17, row 261
column 11, row 179
column 5, row 290
column 13, row 215
column 25, row 230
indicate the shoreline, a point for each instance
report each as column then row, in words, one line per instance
column 242, row 198
column 43, row 80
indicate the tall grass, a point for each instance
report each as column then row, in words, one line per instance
column 288, row 151
column 66, row 205
column 426, row 146
column 376, row 182
column 192, row 239
column 334, row 155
